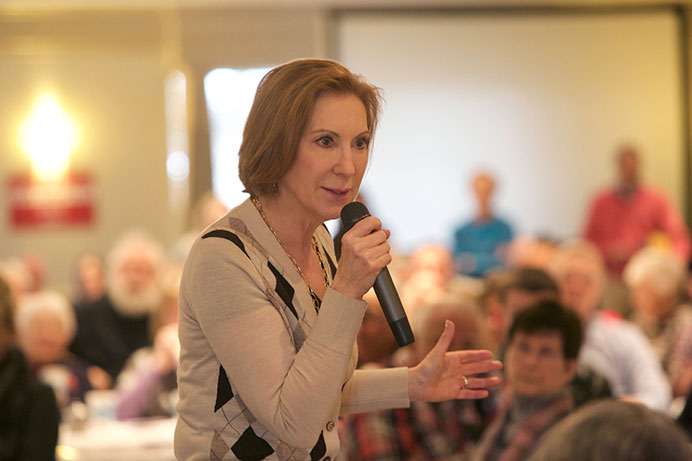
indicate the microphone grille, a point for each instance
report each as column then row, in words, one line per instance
column 352, row 213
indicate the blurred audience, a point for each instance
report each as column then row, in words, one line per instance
column 541, row 360
column 480, row 245
column 525, row 287
column 614, row 430
column 112, row 327
column 654, row 278
column 205, row 211
column 29, row 414
column 531, row 251
column 425, row 431
column 16, row 275
column 147, row 386
column 375, row 339
column 430, row 276
column 36, row 268
column 90, row 277
column 45, row 326
column 562, row 343
column 491, row 306
column 626, row 217
column 613, row 347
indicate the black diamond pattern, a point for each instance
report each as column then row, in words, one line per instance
column 224, row 393
column 224, row 234
column 332, row 267
column 250, row 447
column 319, row 449
column 283, row 289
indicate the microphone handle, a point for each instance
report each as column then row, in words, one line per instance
column 392, row 308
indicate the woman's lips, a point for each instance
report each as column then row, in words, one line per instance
column 337, row 192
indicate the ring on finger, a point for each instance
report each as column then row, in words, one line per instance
column 465, row 382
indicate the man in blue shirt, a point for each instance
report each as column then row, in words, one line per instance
column 479, row 245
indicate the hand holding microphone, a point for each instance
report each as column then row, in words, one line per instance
column 365, row 254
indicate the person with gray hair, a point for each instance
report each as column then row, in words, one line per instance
column 29, row 415
column 112, row 327
column 614, row 430
column 614, row 348
column 45, row 325
column 654, row 277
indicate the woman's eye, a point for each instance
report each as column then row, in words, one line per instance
column 362, row 143
column 325, row 141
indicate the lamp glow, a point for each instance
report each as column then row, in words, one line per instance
column 49, row 136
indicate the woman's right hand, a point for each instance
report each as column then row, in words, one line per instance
column 364, row 253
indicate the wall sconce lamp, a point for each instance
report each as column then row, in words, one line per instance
column 49, row 137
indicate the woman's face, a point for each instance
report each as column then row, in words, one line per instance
column 45, row 340
column 331, row 159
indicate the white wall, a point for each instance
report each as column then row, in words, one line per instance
column 543, row 100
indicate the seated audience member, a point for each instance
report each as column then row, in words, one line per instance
column 90, row 277
column 375, row 339
column 654, row 278
column 541, row 360
column 531, row 251
column 430, row 277
column 495, row 284
column 205, row 211
column 526, row 286
column 112, row 327
column 442, row 430
column 17, row 276
column 147, row 385
column 29, row 414
column 480, row 245
column 614, row 348
column 614, row 430
column 45, row 326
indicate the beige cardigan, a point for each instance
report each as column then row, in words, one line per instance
column 261, row 374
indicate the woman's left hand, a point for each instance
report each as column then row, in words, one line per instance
column 443, row 375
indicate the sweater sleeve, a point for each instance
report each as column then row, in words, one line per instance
column 290, row 393
column 370, row 390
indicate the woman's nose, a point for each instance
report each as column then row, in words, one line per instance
column 345, row 165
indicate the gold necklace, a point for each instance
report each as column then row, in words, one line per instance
column 316, row 301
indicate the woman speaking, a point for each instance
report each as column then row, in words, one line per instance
column 267, row 322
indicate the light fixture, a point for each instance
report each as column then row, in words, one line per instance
column 49, row 137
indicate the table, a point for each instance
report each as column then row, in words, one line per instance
column 110, row 440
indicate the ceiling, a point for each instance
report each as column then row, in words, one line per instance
column 19, row 5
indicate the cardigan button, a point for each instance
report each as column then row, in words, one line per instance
column 330, row 426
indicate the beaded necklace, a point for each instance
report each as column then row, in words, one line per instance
column 316, row 301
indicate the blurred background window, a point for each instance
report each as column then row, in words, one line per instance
column 229, row 94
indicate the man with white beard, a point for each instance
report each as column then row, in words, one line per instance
column 111, row 328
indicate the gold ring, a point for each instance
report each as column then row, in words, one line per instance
column 465, row 381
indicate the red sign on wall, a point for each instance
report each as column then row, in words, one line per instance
column 33, row 203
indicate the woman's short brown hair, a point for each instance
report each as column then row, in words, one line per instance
column 282, row 108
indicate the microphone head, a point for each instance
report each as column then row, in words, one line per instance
column 352, row 213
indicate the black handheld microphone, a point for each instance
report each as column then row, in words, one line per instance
column 384, row 287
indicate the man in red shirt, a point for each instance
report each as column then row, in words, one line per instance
column 629, row 216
